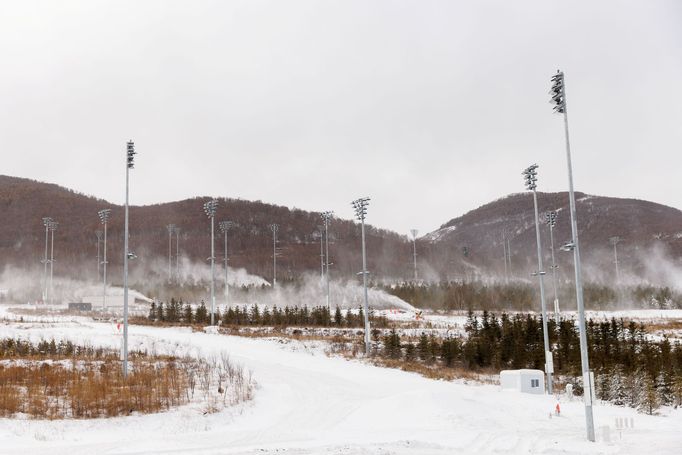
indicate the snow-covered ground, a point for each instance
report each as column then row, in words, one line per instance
column 308, row 403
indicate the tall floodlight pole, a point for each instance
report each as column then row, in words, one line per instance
column 614, row 241
column 170, row 228
column 104, row 219
column 98, row 234
column 550, row 219
column 224, row 227
column 130, row 163
column 274, row 228
column 504, row 248
column 509, row 261
column 414, row 233
column 46, row 222
column 316, row 235
column 558, row 94
column 210, row 208
column 327, row 216
column 176, row 231
column 530, row 177
column 360, row 206
column 53, row 227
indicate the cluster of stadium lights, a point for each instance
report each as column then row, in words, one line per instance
column 558, row 98
column 360, row 207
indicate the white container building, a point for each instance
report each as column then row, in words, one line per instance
column 526, row 381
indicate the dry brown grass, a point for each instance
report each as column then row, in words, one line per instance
column 89, row 382
column 89, row 388
column 663, row 325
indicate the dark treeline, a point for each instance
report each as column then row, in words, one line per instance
column 630, row 369
column 319, row 316
column 476, row 295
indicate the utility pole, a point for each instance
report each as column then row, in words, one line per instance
column 414, row 233
column 327, row 216
column 53, row 227
column 210, row 208
column 360, row 206
column 530, row 176
column 614, row 241
column 130, row 163
column 224, row 227
column 171, row 229
column 46, row 222
column 104, row 218
column 98, row 234
column 274, row 228
column 504, row 247
column 177, row 254
column 558, row 93
column 550, row 219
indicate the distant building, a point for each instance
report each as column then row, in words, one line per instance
column 525, row 381
column 80, row 306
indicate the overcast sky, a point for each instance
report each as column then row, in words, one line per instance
column 431, row 108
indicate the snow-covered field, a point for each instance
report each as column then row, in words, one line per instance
column 309, row 403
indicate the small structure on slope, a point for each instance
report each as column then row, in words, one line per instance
column 526, row 381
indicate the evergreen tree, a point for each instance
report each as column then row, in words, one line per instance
column 201, row 315
column 188, row 317
column 152, row 311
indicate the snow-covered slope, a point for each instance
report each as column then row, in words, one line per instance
column 308, row 403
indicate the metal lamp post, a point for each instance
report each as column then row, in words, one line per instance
column 210, row 208
column 614, row 241
column 104, row 219
column 320, row 235
column 414, row 233
column 274, row 228
column 326, row 217
column 46, row 222
column 224, row 227
column 530, row 176
column 53, row 227
column 360, row 207
column 176, row 231
column 170, row 228
column 558, row 95
column 550, row 219
column 130, row 163
column 98, row 234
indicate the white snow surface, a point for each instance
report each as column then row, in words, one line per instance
column 308, row 403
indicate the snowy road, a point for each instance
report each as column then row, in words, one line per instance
column 308, row 403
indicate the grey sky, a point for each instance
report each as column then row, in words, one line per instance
column 431, row 108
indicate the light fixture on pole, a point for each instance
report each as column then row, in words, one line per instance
column 104, row 219
column 614, row 241
column 414, row 233
column 170, row 228
column 558, row 95
column 224, row 227
column 130, row 163
column 53, row 227
column 210, row 208
column 360, row 207
column 274, row 228
column 531, row 176
column 46, row 222
column 98, row 234
column 550, row 219
column 326, row 217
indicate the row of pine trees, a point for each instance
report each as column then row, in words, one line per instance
column 319, row 316
column 630, row 368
